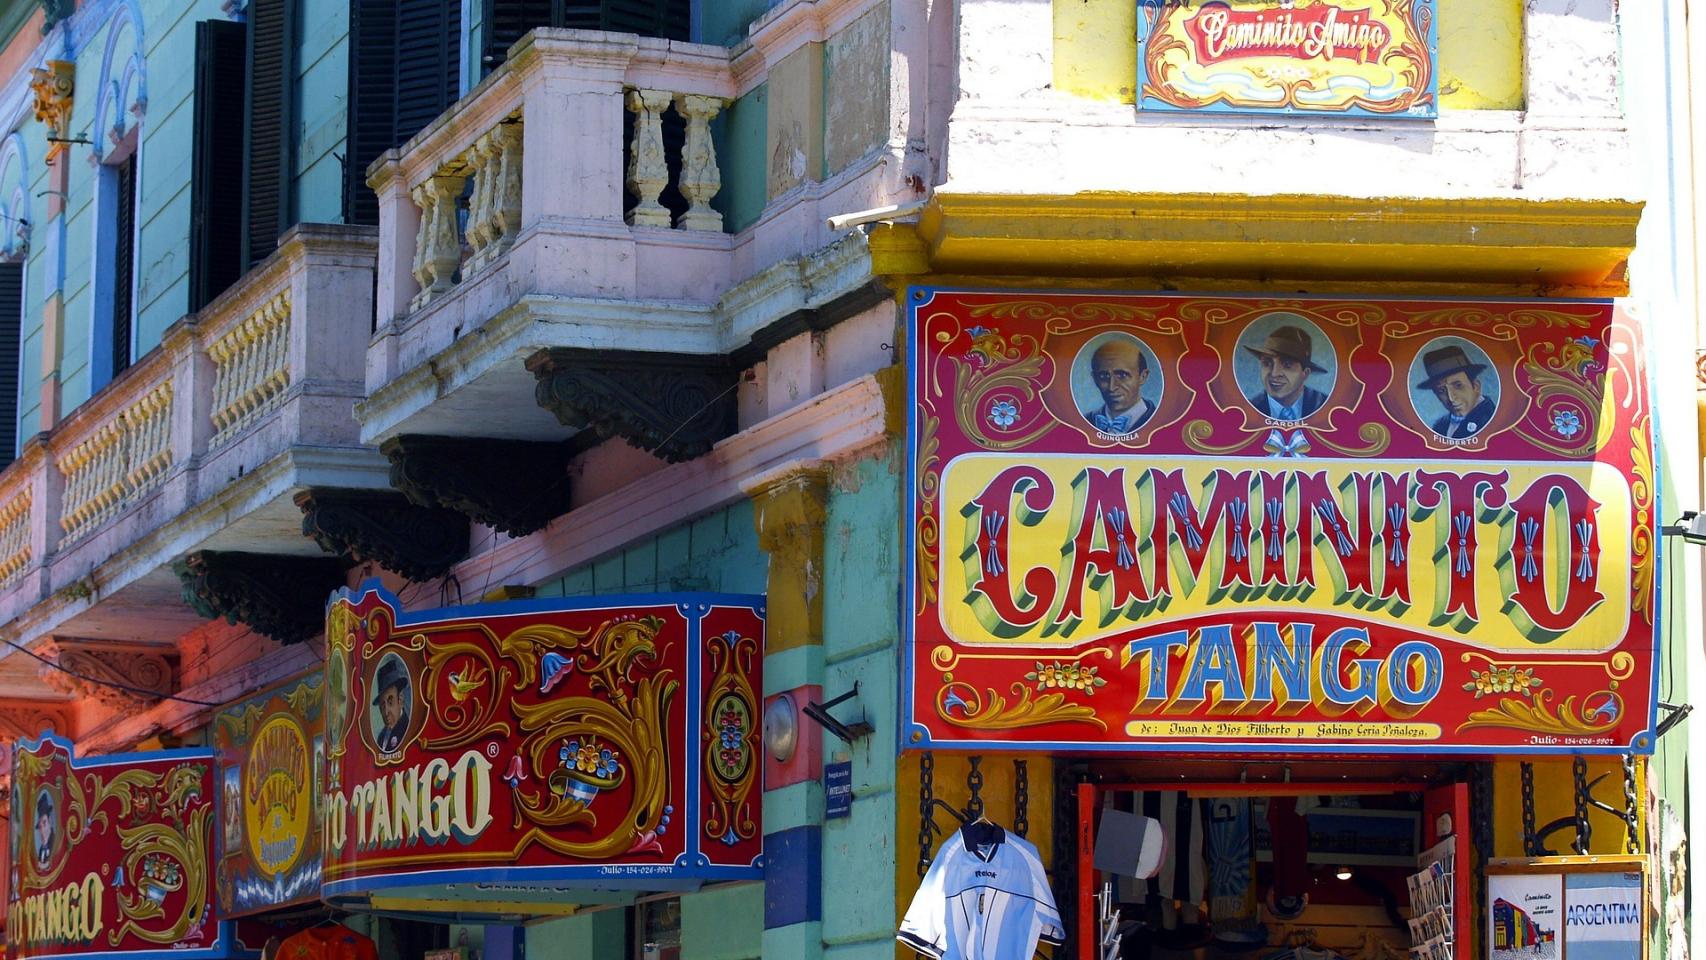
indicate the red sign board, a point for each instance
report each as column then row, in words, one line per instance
column 1274, row 524
column 112, row 856
column 539, row 750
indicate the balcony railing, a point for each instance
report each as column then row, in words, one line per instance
column 542, row 146
column 291, row 332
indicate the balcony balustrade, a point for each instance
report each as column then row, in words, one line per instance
column 229, row 400
column 541, row 149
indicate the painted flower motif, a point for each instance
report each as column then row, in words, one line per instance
column 1003, row 413
column 1065, row 676
column 1589, row 342
column 1567, row 423
column 978, row 331
column 588, row 757
column 1519, row 680
column 731, row 730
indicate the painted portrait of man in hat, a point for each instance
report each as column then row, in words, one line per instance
column 1114, row 384
column 46, row 826
column 1455, row 391
column 393, row 699
column 1289, row 354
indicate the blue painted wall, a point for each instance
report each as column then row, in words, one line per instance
column 147, row 49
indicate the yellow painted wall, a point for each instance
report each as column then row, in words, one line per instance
column 950, row 786
column 1554, row 796
column 1480, row 52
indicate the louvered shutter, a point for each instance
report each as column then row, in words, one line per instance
column 266, row 155
column 216, row 197
column 428, row 39
column 11, row 320
column 124, row 261
column 404, row 72
column 372, row 101
column 507, row 21
column 670, row 19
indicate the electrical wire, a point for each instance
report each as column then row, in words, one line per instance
column 112, row 684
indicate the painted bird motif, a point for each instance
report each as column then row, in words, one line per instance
column 465, row 681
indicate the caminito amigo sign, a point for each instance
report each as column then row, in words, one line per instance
column 1215, row 523
column 111, row 855
column 271, row 755
column 1369, row 57
column 539, row 750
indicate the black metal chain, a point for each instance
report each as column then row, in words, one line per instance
column 926, row 801
column 1063, row 875
column 1631, row 802
column 1021, row 797
column 1530, row 842
column 1480, row 829
column 974, row 787
column 1584, row 829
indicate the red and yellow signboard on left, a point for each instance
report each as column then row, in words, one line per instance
column 111, row 856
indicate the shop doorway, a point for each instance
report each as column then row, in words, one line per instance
column 1313, row 867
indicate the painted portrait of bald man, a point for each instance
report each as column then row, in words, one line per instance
column 1119, row 369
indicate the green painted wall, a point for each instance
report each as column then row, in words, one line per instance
column 725, row 21
column 861, row 618
column 739, row 134
column 719, row 552
column 164, row 163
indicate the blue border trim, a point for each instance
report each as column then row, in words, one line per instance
column 1429, row 111
column 110, row 759
column 919, row 296
column 693, row 866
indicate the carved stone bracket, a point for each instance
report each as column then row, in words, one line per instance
column 28, row 719
column 675, row 405
column 117, row 675
column 52, row 86
column 514, row 486
column 417, row 542
column 281, row 597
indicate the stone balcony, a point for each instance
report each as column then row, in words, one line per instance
column 201, row 445
column 566, row 204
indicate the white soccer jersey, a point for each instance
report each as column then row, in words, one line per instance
column 991, row 902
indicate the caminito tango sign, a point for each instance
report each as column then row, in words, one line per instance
column 271, row 755
column 581, row 743
column 111, row 855
column 1213, row 523
column 1289, row 56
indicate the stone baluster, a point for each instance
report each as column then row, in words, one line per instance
column 506, row 192
column 648, row 173
column 15, row 535
column 148, row 429
column 439, row 250
column 251, row 368
column 700, row 176
column 480, row 160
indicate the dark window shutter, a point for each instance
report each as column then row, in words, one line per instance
column 428, row 40
column 669, row 19
column 216, row 197
column 404, row 60
column 11, row 320
column 124, row 260
column 266, row 156
column 507, row 21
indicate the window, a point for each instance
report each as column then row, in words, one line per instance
column 657, row 930
column 124, row 262
column 404, row 60
column 507, row 21
column 241, row 172
column 11, row 322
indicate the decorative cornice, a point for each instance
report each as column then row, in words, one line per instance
column 119, row 676
column 514, row 486
column 675, row 405
column 281, row 597
column 420, row 543
column 53, row 85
